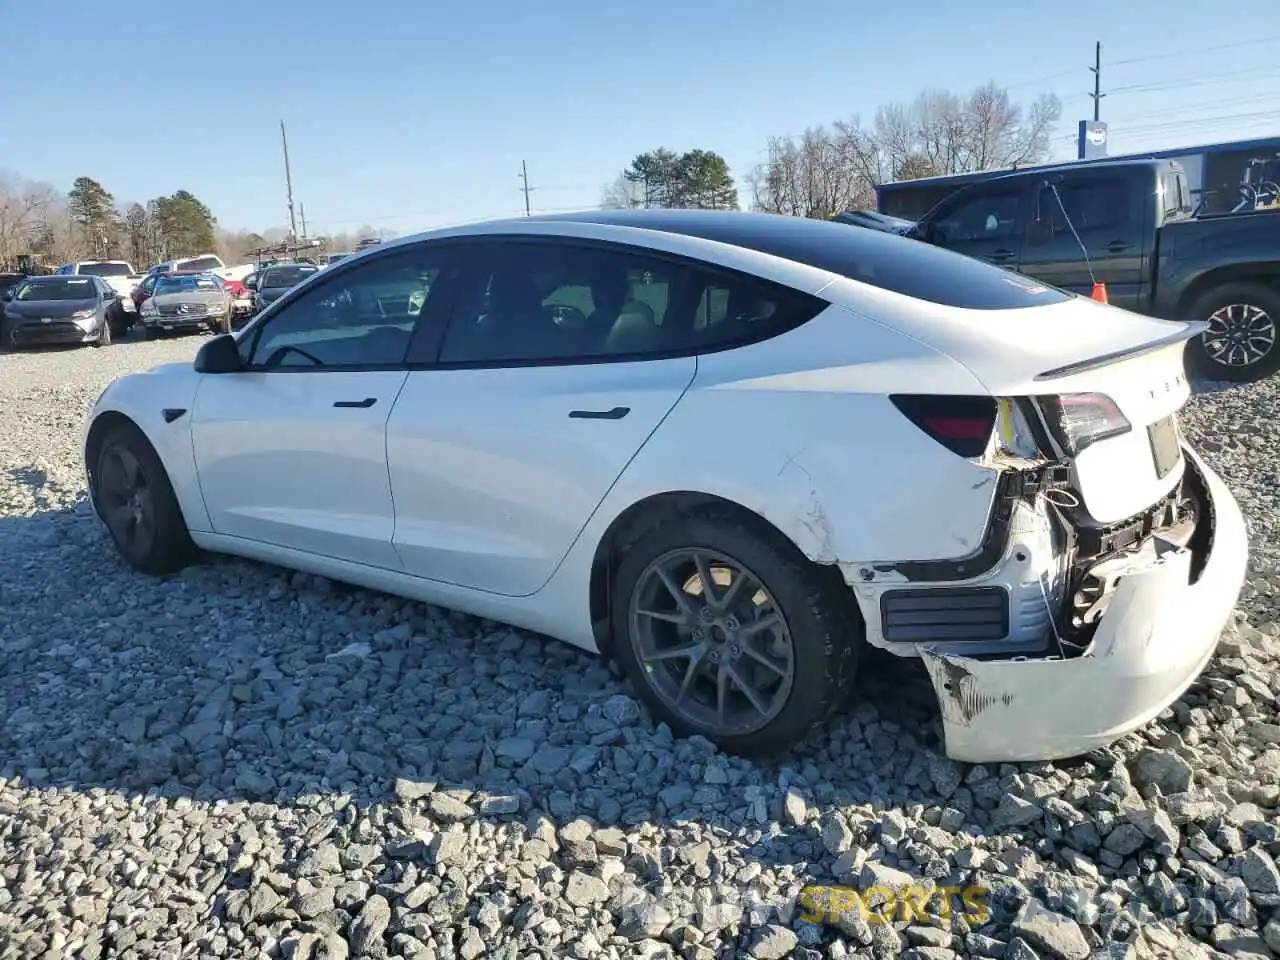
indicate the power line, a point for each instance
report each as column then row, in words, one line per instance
column 1196, row 51
column 1203, row 121
column 1251, row 73
column 1183, row 108
column 1171, row 54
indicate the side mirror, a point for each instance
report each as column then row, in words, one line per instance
column 251, row 283
column 219, row 355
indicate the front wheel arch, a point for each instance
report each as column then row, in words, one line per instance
column 101, row 427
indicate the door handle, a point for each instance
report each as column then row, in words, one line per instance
column 617, row 413
column 358, row 404
column 1118, row 246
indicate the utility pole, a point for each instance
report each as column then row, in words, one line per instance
column 288, row 183
column 524, row 175
column 1096, row 69
column 302, row 215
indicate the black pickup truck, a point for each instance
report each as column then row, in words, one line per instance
column 1134, row 219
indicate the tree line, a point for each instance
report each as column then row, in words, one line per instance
column 827, row 170
column 88, row 222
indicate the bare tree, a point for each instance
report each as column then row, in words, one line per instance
column 825, row 171
column 818, row 174
column 27, row 212
column 622, row 194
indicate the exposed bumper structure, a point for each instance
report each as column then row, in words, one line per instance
column 1150, row 645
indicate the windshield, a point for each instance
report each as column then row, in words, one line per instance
column 105, row 270
column 201, row 263
column 285, row 276
column 185, row 285
column 56, row 288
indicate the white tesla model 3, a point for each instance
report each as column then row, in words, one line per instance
column 729, row 449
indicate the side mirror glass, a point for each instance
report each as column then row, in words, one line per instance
column 250, row 283
column 219, row 355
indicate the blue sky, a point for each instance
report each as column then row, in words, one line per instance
column 407, row 115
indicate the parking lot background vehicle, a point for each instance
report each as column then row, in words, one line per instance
column 185, row 302
column 271, row 283
column 1129, row 225
column 58, row 309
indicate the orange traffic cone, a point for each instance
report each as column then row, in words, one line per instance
column 1100, row 292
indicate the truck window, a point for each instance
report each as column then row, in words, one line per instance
column 1092, row 204
column 1176, row 195
column 202, row 263
column 989, row 216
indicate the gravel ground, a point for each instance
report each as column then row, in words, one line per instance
column 246, row 762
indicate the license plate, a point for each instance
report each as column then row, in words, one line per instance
column 1166, row 445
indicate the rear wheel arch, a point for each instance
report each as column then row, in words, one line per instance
column 1261, row 293
column 1267, row 274
column 642, row 516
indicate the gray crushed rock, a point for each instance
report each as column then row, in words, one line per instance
column 243, row 761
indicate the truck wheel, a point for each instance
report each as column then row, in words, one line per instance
column 1243, row 340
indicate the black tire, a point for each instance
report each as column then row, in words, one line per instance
column 1233, row 299
column 168, row 548
column 819, row 612
column 150, row 333
column 104, row 337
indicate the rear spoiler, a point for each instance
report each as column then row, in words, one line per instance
column 1190, row 329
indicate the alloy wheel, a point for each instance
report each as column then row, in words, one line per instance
column 127, row 500
column 712, row 641
column 1239, row 334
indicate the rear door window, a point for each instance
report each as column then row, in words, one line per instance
column 532, row 302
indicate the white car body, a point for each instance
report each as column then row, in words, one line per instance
column 121, row 283
column 207, row 263
column 470, row 488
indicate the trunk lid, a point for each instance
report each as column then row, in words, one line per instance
column 1075, row 347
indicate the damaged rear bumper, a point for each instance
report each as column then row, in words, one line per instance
column 1157, row 634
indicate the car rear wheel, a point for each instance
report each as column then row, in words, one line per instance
column 728, row 632
column 136, row 501
column 1243, row 339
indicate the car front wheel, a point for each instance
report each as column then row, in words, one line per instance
column 1241, row 343
column 136, row 501
column 728, row 632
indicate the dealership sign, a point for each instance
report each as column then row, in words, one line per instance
column 1092, row 142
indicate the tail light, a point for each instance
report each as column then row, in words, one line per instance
column 961, row 424
column 1079, row 420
